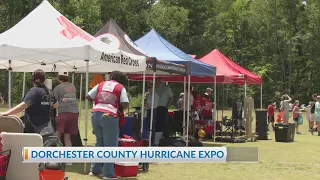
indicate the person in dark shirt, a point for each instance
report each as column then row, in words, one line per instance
column 38, row 105
column 313, row 115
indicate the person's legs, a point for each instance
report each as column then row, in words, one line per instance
column 71, row 127
column 297, row 125
column 284, row 116
column 269, row 120
column 272, row 122
column 96, row 119
column 60, row 125
column 110, row 132
column 154, row 125
column 311, row 122
column 318, row 126
column 164, row 116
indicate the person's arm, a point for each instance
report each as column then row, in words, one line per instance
column 56, row 97
column 289, row 99
column 29, row 99
column 124, row 100
column 92, row 93
column 170, row 97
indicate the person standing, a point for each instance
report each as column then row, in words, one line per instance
column 68, row 110
column 271, row 115
column 148, row 104
column 296, row 114
column 165, row 100
column 285, row 100
column 111, row 100
column 207, row 105
column 313, row 112
column 317, row 119
column 38, row 103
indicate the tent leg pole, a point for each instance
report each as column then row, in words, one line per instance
column 142, row 103
column 188, row 111
column 24, row 84
column 152, row 107
column 184, row 106
column 261, row 96
column 86, row 112
column 215, row 108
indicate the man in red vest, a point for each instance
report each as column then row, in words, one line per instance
column 110, row 98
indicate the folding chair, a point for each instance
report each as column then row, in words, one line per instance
column 229, row 125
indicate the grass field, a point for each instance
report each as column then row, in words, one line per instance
column 279, row 161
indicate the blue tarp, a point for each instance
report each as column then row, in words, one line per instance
column 156, row 46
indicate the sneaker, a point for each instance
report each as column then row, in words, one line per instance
column 92, row 174
column 298, row 133
column 115, row 177
column 312, row 132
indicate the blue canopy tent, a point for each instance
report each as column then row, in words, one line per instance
column 154, row 45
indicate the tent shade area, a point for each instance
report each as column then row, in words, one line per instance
column 45, row 38
column 228, row 67
column 179, row 79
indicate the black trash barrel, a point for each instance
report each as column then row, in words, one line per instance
column 262, row 124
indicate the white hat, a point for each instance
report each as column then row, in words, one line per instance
column 63, row 73
column 209, row 89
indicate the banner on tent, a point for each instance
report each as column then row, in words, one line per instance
column 166, row 67
column 119, row 60
column 71, row 30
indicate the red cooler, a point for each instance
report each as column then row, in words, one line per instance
column 126, row 169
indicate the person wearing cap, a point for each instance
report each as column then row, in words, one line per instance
column 180, row 102
column 38, row 104
column 165, row 100
column 68, row 110
column 208, row 91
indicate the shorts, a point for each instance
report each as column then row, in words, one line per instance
column 317, row 119
column 67, row 123
column 313, row 117
column 295, row 119
column 270, row 119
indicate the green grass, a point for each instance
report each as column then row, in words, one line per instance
column 279, row 161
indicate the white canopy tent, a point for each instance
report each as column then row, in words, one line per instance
column 47, row 37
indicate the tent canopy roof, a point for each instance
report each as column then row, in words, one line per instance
column 113, row 35
column 227, row 67
column 45, row 36
column 155, row 45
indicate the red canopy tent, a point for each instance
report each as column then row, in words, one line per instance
column 227, row 67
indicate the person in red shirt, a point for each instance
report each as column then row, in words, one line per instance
column 271, row 115
column 207, row 105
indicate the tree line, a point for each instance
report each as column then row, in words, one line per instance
column 276, row 39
